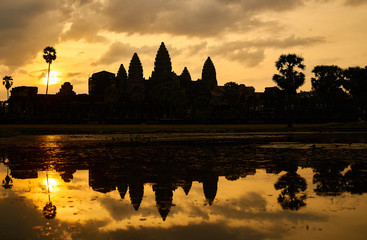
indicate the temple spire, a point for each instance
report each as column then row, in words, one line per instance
column 209, row 76
column 162, row 65
column 135, row 69
column 185, row 78
column 121, row 77
column 121, row 74
column 136, row 191
column 210, row 187
column 163, row 198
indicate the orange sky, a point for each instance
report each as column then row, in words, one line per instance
column 243, row 37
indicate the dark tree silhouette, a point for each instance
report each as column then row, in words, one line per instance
column 292, row 196
column 356, row 84
column 328, row 178
column 7, row 182
column 49, row 54
column 356, row 178
column 49, row 210
column 290, row 78
column 356, row 81
column 7, row 82
column 327, row 83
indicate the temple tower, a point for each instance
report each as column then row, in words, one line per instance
column 136, row 192
column 163, row 198
column 121, row 77
column 209, row 76
column 135, row 69
column 162, row 65
column 210, row 186
column 185, row 78
column 122, row 189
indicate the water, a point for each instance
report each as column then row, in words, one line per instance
column 268, row 186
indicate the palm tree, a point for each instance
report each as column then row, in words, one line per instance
column 289, row 78
column 7, row 82
column 49, row 54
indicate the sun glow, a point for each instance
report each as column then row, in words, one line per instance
column 51, row 183
column 53, row 78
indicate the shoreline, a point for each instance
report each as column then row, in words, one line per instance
column 7, row 130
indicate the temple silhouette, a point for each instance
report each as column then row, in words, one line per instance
column 128, row 97
column 168, row 97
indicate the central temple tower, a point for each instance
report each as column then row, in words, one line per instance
column 209, row 76
column 162, row 65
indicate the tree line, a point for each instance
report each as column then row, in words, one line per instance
column 335, row 91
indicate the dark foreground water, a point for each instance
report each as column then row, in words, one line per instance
column 266, row 186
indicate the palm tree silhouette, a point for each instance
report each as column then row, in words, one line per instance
column 49, row 54
column 7, row 82
column 289, row 78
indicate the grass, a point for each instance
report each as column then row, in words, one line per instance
column 11, row 130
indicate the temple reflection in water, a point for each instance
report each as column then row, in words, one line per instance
column 131, row 168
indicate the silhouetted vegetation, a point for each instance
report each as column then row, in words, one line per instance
column 289, row 79
column 356, row 84
column 7, row 82
column 49, row 210
column 293, row 186
column 327, row 84
column 49, row 54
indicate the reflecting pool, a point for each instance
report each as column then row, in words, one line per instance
column 265, row 186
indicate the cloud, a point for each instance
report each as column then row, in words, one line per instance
column 268, row 5
column 84, row 29
column 118, row 51
column 26, row 28
column 186, row 18
column 71, row 77
column 72, row 74
column 189, row 18
column 252, row 52
column 196, row 48
column 118, row 210
column 355, row 2
column 248, row 52
column 42, row 75
column 115, row 53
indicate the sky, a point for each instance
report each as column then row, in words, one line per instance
column 244, row 38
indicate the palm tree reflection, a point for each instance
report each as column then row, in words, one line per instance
column 7, row 182
column 292, row 196
column 49, row 210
